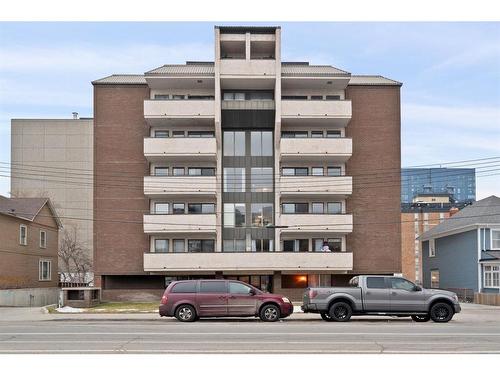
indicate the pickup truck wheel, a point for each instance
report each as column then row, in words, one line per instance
column 340, row 312
column 326, row 317
column 421, row 318
column 441, row 312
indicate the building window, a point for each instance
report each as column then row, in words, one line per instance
column 295, row 208
column 261, row 143
column 334, row 171
column 161, row 208
column 495, row 239
column 178, row 208
column 334, row 208
column 432, row 248
column 234, row 245
column 178, row 171
column 76, row 295
column 178, row 134
column 491, row 276
column 23, row 235
column 201, row 134
column 334, row 244
column 201, row 171
column 333, row 97
column 201, row 208
column 294, row 171
column 201, row 246
column 333, row 134
column 435, row 279
column 179, row 246
column 234, row 143
column 294, row 134
column 262, row 244
column 44, row 270
column 234, row 214
column 299, row 245
column 162, row 134
column 161, row 246
column 317, row 207
column 234, row 180
column 161, row 171
column 317, row 134
column 317, row 171
column 261, row 180
column 293, row 281
column 262, row 214
column 43, row 239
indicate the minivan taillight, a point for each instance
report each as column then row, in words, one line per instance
column 312, row 294
column 163, row 300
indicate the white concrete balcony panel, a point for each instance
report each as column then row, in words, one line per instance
column 186, row 186
column 185, row 149
column 315, row 186
column 164, row 111
column 184, row 223
column 248, row 68
column 334, row 112
column 316, row 149
column 316, row 223
column 248, row 261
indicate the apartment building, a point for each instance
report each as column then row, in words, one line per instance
column 28, row 258
column 246, row 167
column 54, row 158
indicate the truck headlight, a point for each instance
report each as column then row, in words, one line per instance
column 286, row 300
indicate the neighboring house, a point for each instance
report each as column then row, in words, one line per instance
column 426, row 211
column 28, row 252
column 463, row 252
column 242, row 168
column 53, row 158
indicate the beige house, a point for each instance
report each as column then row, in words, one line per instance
column 29, row 230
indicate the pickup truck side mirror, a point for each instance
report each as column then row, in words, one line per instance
column 417, row 288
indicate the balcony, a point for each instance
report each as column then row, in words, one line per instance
column 162, row 112
column 247, row 261
column 185, row 149
column 184, row 223
column 334, row 113
column 187, row 186
column 317, row 186
column 316, row 223
column 316, row 149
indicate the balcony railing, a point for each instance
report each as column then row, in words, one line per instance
column 156, row 149
column 315, row 185
column 312, row 223
column 302, row 149
column 248, row 261
column 161, row 186
column 183, row 223
column 336, row 112
column 158, row 111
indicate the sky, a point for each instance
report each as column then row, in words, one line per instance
column 450, row 73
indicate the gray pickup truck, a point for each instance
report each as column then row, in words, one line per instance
column 381, row 295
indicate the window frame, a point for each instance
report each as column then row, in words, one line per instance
column 161, row 213
column 491, row 272
column 491, row 239
column 21, row 242
column 432, row 248
column 44, row 245
column 433, row 286
column 40, row 270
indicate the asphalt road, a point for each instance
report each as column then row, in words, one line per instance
column 474, row 332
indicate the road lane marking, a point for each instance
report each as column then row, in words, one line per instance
column 439, row 334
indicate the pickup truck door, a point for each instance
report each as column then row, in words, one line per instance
column 376, row 294
column 405, row 297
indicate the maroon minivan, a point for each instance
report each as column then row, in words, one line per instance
column 192, row 299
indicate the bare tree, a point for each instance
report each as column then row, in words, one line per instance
column 75, row 263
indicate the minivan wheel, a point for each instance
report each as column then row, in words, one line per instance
column 421, row 318
column 326, row 317
column 185, row 313
column 340, row 312
column 441, row 312
column 270, row 313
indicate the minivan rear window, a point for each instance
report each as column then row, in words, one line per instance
column 184, row 287
column 375, row 282
column 213, row 287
